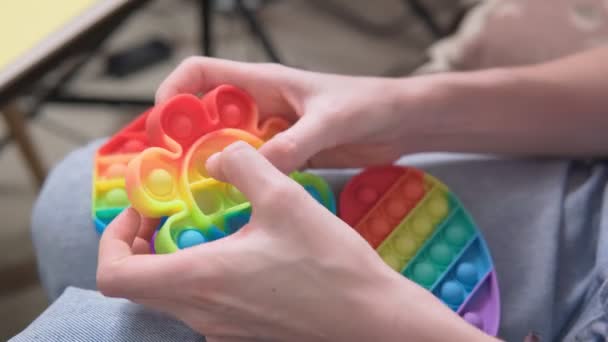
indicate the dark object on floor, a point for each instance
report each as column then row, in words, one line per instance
column 137, row 58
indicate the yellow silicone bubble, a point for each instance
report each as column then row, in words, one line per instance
column 160, row 182
column 422, row 226
column 406, row 245
column 117, row 198
column 438, row 206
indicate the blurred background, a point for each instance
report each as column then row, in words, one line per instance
column 78, row 70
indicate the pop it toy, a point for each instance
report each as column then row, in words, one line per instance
column 420, row 229
column 157, row 165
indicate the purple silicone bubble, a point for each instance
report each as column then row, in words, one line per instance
column 152, row 242
column 482, row 309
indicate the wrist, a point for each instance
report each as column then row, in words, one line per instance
column 451, row 112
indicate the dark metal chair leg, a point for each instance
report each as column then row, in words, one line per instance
column 259, row 31
column 425, row 15
column 15, row 120
column 206, row 16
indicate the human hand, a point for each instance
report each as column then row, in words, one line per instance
column 340, row 121
column 295, row 272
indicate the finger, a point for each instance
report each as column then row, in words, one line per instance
column 355, row 156
column 142, row 276
column 118, row 237
column 245, row 168
column 201, row 74
column 120, row 273
column 141, row 246
column 147, row 227
column 283, row 87
column 291, row 149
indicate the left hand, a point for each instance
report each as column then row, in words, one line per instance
column 294, row 273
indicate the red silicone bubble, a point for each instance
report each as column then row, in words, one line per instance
column 131, row 139
column 182, row 119
column 365, row 192
column 232, row 108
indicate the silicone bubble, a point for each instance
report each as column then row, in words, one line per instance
column 420, row 229
column 473, row 319
column 156, row 164
column 190, row 237
column 467, row 274
column 117, row 197
column 115, row 171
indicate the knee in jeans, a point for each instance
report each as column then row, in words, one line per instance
column 68, row 182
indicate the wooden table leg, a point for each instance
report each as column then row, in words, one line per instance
column 15, row 121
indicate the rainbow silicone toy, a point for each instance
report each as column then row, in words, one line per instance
column 421, row 230
column 157, row 165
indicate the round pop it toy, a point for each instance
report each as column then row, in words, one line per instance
column 420, row 229
column 157, row 165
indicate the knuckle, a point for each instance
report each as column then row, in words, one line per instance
column 286, row 143
column 282, row 151
column 232, row 153
column 190, row 61
column 333, row 115
column 273, row 67
column 281, row 193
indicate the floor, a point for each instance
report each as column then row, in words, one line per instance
column 392, row 42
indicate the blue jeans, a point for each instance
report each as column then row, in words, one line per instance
column 545, row 222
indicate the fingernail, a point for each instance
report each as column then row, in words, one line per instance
column 237, row 145
column 212, row 163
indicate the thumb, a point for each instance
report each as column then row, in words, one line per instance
column 292, row 148
column 242, row 166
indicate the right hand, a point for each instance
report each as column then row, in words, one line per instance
column 288, row 275
column 340, row 121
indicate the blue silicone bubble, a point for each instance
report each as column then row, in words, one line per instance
column 189, row 238
column 467, row 274
column 452, row 293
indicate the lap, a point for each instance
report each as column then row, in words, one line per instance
column 85, row 315
column 541, row 219
column 62, row 229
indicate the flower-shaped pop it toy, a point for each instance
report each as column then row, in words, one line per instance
column 166, row 175
column 109, row 196
column 420, row 229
